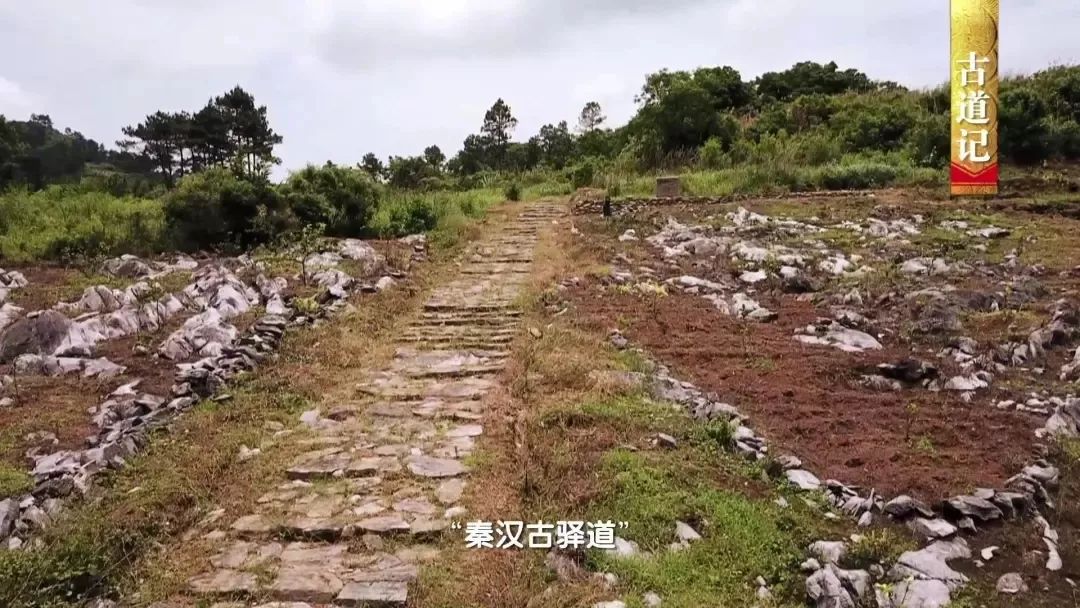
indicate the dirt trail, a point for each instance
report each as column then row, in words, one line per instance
column 354, row 517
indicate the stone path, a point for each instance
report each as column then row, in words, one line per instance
column 353, row 519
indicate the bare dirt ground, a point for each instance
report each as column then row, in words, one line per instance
column 959, row 288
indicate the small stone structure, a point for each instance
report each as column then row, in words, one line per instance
column 668, row 186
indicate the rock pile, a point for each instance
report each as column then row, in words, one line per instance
column 127, row 416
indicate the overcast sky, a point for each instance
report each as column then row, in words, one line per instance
column 345, row 77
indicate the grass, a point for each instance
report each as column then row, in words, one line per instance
column 14, row 482
column 779, row 177
column 743, row 538
column 44, row 224
column 401, row 212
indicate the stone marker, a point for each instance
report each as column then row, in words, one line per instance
column 668, row 187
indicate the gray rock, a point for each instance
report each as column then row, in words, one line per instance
column 826, row 590
column 1011, row 584
column 665, row 440
column 128, row 266
column 102, row 368
column 830, row 552
column 802, row 479
column 974, row 507
column 426, row 466
column 810, row 565
column 624, row 548
column 39, row 334
column 651, row 600
column 449, row 491
column 685, row 533
column 904, row 506
column 965, row 383
column 932, row 528
column 931, row 562
column 838, row 336
column 9, row 512
column 915, row 594
column 381, row 593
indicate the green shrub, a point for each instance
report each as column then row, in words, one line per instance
column 344, row 199
column 712, row 154
column 581, row 176
column 513, row 192
column 217, row 209
column 856, row 176
column 409, row 215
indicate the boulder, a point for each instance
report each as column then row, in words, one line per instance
column 128, row 266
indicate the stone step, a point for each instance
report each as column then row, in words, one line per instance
column 312, row 573
column 445, row 305
column 497, row 320
column 462, row 331
column 412, row 389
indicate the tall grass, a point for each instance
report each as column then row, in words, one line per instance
column 59, row 220
column 446, row 215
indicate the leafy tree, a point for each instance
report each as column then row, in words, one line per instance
column 155, row 138
column 809, row 78
column 373, row 166
column 556, row 145
column 434, row 156
column 1024, row 135
column 499, row 124
column 250, row 134
column 473, row 157
column 591, row 117
column 409, row 171
column 231, row 130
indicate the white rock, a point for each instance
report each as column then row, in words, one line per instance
column 685, row 532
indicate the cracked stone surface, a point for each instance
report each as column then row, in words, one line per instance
column 390, row 462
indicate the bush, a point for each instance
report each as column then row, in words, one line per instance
column 215, row 208
column 412, row 215
column 513, row 192
column 856, row 176
column 582, row 175
column 344, row 199
column 712, row 154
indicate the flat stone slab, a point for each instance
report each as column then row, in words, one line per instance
column 223, row 582
column 384, row 524
column 381, row 594
column 426, row 466
column 449, row 491
column 306, row 583
column 314, row 465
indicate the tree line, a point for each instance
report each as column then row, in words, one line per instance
column 230, row 131
column 811, row 113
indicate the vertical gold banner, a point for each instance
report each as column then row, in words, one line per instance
column 973, row 168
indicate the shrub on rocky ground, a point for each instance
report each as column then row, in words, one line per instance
column 215, row 208
column 342, row 198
